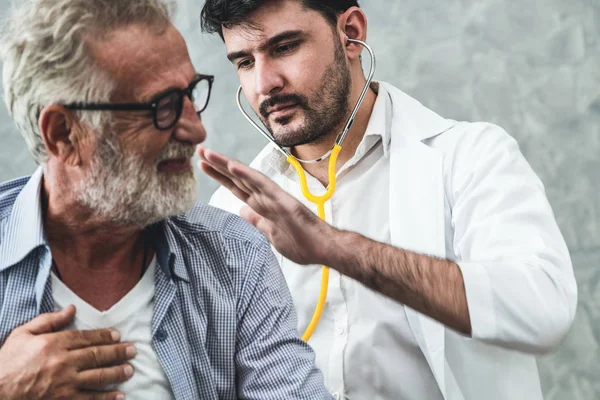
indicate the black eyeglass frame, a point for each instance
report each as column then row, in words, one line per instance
column 153, row 105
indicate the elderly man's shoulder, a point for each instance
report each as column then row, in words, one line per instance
column 219, row 248
column 206, row 220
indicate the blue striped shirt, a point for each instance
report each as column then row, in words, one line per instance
column 223, row 327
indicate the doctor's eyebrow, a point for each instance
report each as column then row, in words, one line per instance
column 280, row 37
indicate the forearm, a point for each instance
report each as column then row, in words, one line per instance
column 432, row 286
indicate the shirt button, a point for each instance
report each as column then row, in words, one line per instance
column 336, row 396
column 339, row 330
column 161, row 335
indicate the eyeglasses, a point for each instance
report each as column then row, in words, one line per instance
column 166, row 108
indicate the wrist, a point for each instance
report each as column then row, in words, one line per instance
column 342, row 250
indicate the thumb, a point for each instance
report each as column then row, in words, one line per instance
column 261, row 223
column 50, row 322
column 250, row 215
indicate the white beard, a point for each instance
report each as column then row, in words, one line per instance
column 122, row 190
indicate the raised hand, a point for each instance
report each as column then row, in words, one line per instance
column 293, row 229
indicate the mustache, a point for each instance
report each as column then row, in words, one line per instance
column 176, row 149
column 289, row 98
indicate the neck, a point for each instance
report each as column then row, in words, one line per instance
column 98, row 260
column 78, row 237
column 311, row 151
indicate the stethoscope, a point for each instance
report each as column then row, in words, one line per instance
column 319, row 201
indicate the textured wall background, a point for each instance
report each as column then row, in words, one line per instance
column 531, row 66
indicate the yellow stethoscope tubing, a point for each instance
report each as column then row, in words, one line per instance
column 320, row 203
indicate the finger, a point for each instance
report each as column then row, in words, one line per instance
column 200, row 151
column 261, row 223
column 236, row 171
column 281, row 210
column 50, row 322
column 79, row 339
column 253, row 179
column 102, row 356
column 216, row 160
column 88, row 395
column 212, row 156
column 264, row 195
column 97, row 379
column 222, row 175
column 224, row 181
column 251, row 216
column 220, row 164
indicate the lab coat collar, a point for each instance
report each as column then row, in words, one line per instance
column 412, row 120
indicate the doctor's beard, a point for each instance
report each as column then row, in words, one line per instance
column 122, row 189
column 324, row 112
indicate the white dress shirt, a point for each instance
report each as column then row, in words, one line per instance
column 449, row 189
column 363, row 342
column 132, row 317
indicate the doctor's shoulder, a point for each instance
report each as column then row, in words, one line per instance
column 472, row 144
column 471, row 137
column 480, row 153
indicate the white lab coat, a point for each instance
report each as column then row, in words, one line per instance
column 463, row 191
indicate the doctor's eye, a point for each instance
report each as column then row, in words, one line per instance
column 244, row 64
column 286, row 48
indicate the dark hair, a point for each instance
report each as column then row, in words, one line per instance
column 217, row 14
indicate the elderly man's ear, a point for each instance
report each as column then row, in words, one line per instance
column 59, row 130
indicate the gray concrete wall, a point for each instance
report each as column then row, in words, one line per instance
column 531, row 66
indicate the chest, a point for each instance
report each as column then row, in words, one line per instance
column 192, row 326
column 101, row 294
column 132, row 317
column 361, row 200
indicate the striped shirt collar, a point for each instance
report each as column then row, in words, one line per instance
column 25, row 232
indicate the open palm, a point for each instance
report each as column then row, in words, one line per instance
column 293, row 229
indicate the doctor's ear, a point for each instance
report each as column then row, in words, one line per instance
column 352, row 24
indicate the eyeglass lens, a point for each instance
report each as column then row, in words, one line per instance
column 169, row 107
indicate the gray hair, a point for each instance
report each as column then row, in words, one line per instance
column 46, row 58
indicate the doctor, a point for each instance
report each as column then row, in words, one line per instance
column 449, row 273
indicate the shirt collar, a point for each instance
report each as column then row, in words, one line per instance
column 380, row 124
column 25, row 230
column 168, row 254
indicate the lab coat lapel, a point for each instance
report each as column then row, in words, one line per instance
column 417, row 205
column 417, row 224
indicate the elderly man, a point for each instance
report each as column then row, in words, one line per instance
column 172, row 300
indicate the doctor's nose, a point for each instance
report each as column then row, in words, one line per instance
column 268, row 80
